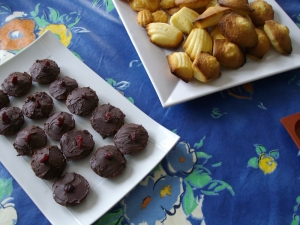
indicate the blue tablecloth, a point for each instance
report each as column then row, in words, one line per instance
column 234, row 164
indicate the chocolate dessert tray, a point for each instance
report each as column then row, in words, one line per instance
column 171, row 90
column 104, row 193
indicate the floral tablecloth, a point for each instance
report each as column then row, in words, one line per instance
column 234, row 164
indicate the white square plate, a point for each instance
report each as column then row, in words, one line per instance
column 104, row 193
column 172, row 90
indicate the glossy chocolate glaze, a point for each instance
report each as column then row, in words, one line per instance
column 17, row 84
column 61, row 87
column 44, row 71
column 11, row 120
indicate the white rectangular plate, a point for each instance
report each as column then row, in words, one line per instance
column 172, row 90
column 104, row 193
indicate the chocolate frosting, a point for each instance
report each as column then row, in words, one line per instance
column 108, row 161
column 77, row 144
column 48, row 162
column 44, row 71
column 59, row 123
column 71, row 189
column 30, row 139
column 4, row 99
column 82, row 101
column 17, row 84
column 38, row 106
column 107, row 120
column 61, row 87
column 11, row 120
column 131, row 138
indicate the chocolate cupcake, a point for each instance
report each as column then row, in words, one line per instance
column 11, row 120
column 61, row 87
column 77, row 144
column 17, row 84
column 70, row 189
column 30, row 139
column 48, row 162
column 38, row 106
column 107, row 120
column 108, row 161
column 82, row 101
column 44, row 71
column 58, row 124
column 4, row 99
column 131, row 138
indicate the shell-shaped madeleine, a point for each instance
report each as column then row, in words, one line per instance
column 184, row 19
column 211, row 16
column 192, row 4
column 240, row 7
column 164, row 35
column 258, row 51
column 160, row 16
column 199, row 40
column 167, row 4
column 139, row 5
column 180, row 65
column 279, row 36
column 144, row 17
column 216, row 33
column 206, row 67
column 262, row 11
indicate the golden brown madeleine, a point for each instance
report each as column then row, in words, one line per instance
column 263, row 46
column 192, row 4
column 167, row 4
column 183, row 20
column 139, row 5
column 164, row 35
column 228, row 54
column 211, row 16
column 238, row 30
column 206, row 67
column 180, row 65
column 160, row 16
column 262, row 11
column 240, row 7
column 216, row 33
column 144, row 17
column 279, row 36
column 199, row 40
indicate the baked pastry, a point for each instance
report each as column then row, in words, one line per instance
column 160, row 16
column 17, row 84
column 183, row 20
column 82, row 101
column 58, row 124
column 228, row 54
column 198, row 40
column 206, row 67
column 144, row 17
column 173, row 10
column 279, row 36
column 240, row 7
column 30, row 139
column 61, row 87
column 238, row 30
column 108, row 161
column 180, row 65
column 107, row 120
column 164, row 35
column 139, row 5
column 37, row 106
column 70, row 189
column 263, row 46
column 4, row 99
column 11, row 120
column 262, row 11
column 212, row 3
column 192, row 4
column 210, row 16
column 131, row 138
column 44, row 71
column 77, row 144
column 48, row 162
